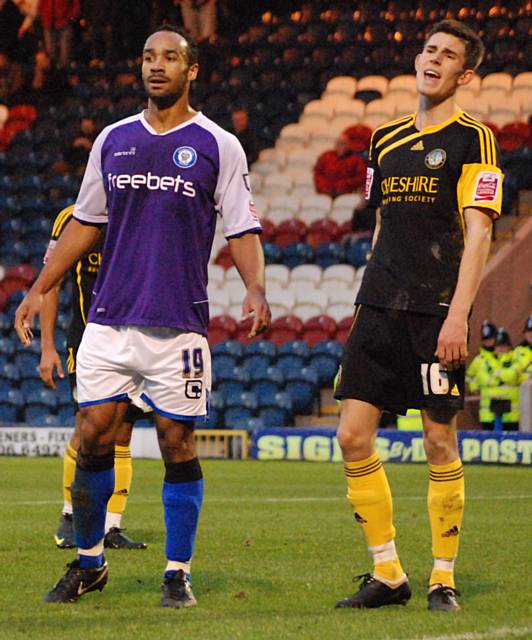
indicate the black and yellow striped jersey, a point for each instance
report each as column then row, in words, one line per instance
column 422, row 181
column 83, row 275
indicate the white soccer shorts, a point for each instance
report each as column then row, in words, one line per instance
column 172, row 367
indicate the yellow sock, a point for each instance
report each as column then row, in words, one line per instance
column 446, row 509
column 70, row 458
column 369, row 493
column 123, row 477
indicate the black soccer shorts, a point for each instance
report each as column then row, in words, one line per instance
column 389, row 362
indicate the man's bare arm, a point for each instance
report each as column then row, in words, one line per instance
column 452, row 341
column 248, row 257
column 50, row 360
column 75, row 240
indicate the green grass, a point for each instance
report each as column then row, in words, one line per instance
column 277, row 547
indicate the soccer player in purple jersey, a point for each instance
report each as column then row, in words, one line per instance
column 159, row 179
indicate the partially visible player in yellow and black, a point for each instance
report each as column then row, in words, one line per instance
column 83, row 276
column 435, row 182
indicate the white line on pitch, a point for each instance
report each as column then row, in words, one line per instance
column 238, row 499
column 492, row 634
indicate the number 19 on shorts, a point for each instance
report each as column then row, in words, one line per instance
column 192, row 363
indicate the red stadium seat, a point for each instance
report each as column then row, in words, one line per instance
column 25, row 112
column 322, row 232
column 10, row 285
column 23, row 272
column 242, row 332
column 4, row 298
column 290, row 232
column 223, row 259
column 514, row 135
column 268, row 230
column 319, row 328
column 344, row 329
column 359, row 137
column 285, row 328
column 222, row 328
column 345, row 229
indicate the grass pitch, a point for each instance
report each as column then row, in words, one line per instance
column 277, row 547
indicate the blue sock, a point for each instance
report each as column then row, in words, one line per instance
column 182, row 500
column 92, row 487
column 90, row 562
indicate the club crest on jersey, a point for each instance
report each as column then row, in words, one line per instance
column 185, row 157
column 435, row 159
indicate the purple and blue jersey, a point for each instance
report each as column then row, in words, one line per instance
column 160, row 195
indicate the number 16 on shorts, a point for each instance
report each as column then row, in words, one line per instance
column 435, row 379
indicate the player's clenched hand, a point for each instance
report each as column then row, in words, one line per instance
column 451, row 350
column 26, row 312
column 256, row 306
column 50, row 362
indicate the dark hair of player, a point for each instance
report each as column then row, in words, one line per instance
column 473, row 44
column 192, row 47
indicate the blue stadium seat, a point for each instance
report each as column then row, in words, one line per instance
column 325, row 358
column 10, row 372
column 262, row 347
column 233, row 382
column 266, row 381
column 11, row 397
column 326, row 367
column 7, row 345
column 247, row 423
column 214, row 420
column 229, row 348
column 8, row 413
column 358, row 251
column 67, row 415
column 26, row 362
column 256, row 362
column 272, row 253
column 216, row 401
column 329, row 253
column 292, row 355
column 44, row 419
column 40, row 224
column 331, row 348
column 31, row 385
column 302, row 386
column 246, row 399
column 273, row 417
column 296, row 254
column 222, row 362
column 42, row 398
column 237, row 415
column 30, row 184
column 294, row 348
column 35, row 414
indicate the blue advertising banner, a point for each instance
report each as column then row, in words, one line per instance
column 320, row 445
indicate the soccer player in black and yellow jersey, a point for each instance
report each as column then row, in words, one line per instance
column 435, row 182
column 83, row 276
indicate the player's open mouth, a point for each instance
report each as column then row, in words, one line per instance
column 431, row 74
column 157, row 82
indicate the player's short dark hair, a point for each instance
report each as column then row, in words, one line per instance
column 192, row 47
column 473, row 44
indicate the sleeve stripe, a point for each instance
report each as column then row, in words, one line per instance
column 60, row 222
column 487, row 138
